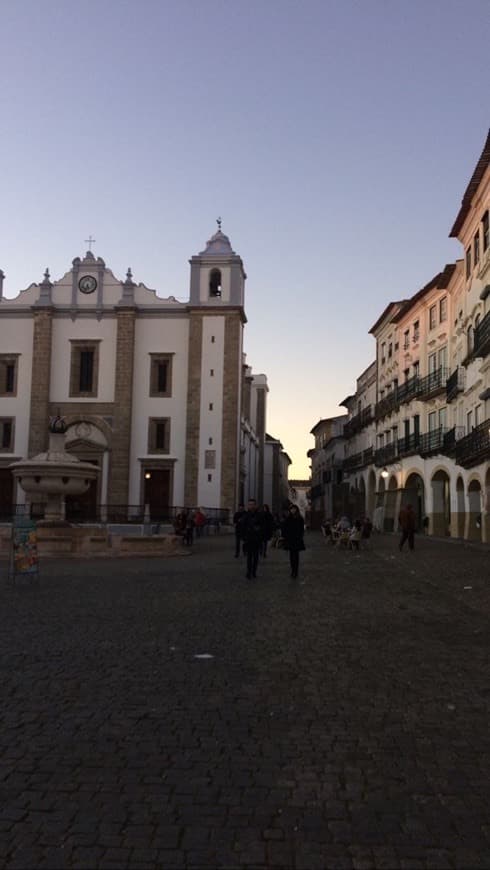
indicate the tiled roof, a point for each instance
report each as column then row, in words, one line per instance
column 472, row 188
column 439, row 282
column 385, row 313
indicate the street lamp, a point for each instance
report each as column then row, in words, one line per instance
column 385, row 473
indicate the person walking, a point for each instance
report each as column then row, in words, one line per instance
column 268, row 523
column 252, row 533
column 293, row 531
column 407, row 520
column 237, row 518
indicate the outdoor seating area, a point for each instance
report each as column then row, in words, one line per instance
column 346, row 535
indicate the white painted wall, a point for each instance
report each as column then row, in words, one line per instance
column 159, row 335
column 209, row 492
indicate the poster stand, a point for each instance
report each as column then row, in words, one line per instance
column 24, row 555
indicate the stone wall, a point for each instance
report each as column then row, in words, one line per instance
column 41, row 378
column 118, row 492
column 231, row 411
column 193, row 408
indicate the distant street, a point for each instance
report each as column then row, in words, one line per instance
column 168, row 713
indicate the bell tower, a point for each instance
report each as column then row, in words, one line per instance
column 217, row 274
column 216, row 320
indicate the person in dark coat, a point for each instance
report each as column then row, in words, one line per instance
column 268, row 522
column 293, row 531
column 237, row 518
column 252, row 534
column 408, row 521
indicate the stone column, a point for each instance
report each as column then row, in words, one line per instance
column 41, row 378
column 193, row 409
column 123, row 402
column 231, row 411
column 260, row 430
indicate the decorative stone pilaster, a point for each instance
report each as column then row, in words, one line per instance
column 41, row 377
column 123, row 402
column 193, row 409
column 260, row 432
column 231, row 410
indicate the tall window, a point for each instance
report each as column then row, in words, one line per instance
column 160, row 375
column 8, row 375
column 159, row 435
column 471, row 339
column 406, row 339
column 416, row 369
column 432, row 317
column 432, row 362
column 383, row 352
column 442, row 418
column 432, row 421
column 442, row 357
column 84, row 368
column 6, row 433
column 469, row 422
column 443, row 309
column 476, row 248
column 486, row 231
column 468, row 262
column 478, row 415
column 416, row 331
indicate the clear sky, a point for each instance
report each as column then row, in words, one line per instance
column 335, row 139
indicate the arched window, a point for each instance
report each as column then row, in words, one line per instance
column 215, row 284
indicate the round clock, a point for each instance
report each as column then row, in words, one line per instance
column 87, row 284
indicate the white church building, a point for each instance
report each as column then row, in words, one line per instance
column 156, row 392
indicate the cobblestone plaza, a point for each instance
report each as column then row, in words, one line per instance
column 341, row 721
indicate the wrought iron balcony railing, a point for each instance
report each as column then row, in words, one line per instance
column 482, row 337
column 455, row 383
column 433, row 383
column 474, row 447
column 355, row 424
column 432, row 442
column 359, row 460
column 450, row 438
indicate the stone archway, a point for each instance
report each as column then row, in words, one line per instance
column 474, row 521
column 371, row 494
column 440, row 521
column 461, row 509
column 414, row 494
column 88, row 441
column 390, row 523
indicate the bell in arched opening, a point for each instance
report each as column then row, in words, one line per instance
column 215, row 284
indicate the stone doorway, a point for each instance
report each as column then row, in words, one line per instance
column 157, row 492
column 474, row 531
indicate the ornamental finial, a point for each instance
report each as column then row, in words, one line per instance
column 218, row 221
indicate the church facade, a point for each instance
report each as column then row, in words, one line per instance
column 154, row 391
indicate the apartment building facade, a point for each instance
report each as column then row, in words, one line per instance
column 418, row 425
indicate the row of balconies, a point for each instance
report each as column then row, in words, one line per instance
column 413, row 388
column 355, row 424
column 359, row 460
column 468, row 450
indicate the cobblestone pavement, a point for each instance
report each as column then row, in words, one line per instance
column 343, row 721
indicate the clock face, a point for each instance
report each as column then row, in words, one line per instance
column 87, row 284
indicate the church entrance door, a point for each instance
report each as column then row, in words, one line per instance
column 157, row 492
column 6, row 494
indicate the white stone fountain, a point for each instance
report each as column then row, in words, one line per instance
column 52, row 475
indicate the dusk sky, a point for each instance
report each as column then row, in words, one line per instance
column 335, row 139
